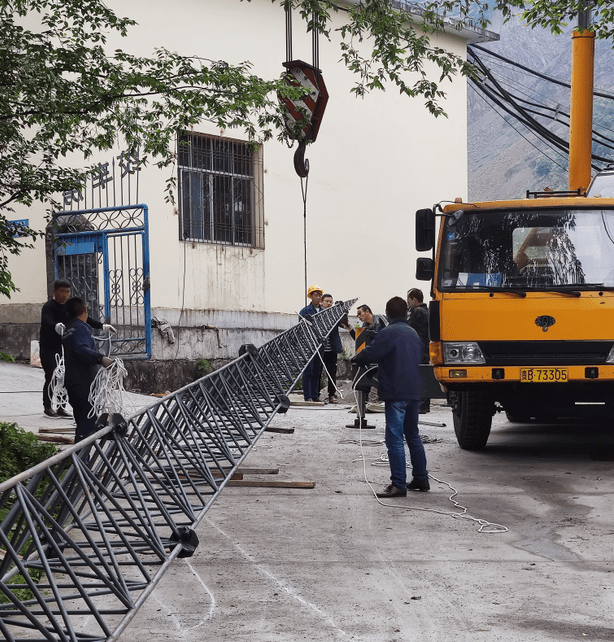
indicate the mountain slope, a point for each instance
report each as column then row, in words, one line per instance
column 505, row 158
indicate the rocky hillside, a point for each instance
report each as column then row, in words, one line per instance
column 506, row 159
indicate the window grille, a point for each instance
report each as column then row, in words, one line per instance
column 220, row 191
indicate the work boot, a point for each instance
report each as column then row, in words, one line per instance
column 415, row 484
column 392, row 491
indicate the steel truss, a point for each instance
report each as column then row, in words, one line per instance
column 86, row 536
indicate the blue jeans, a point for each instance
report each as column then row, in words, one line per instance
column 402, row 420
column 311, row 379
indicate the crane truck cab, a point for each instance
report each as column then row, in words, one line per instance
column 522, row 316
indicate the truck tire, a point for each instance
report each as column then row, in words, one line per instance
column 472, row 413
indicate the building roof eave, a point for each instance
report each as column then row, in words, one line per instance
column 468, row 29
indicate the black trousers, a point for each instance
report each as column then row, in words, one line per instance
column 78, row 397
column 330, row 362
column 48, row 361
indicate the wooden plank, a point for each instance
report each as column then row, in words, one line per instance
column 272, row 484
column 56, row 439
column 246, row 471
column 283, row 431
column 216, row 474
column 59, row 429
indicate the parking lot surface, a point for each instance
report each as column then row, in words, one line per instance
column 332, row 563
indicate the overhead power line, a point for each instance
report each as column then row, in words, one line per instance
column 501, row 91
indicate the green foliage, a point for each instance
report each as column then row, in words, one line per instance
column 7, row 358
column 20, row 450
column 23, row 594
column 62, row 92
column 203, row 368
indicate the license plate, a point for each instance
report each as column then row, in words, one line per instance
column 543, row 375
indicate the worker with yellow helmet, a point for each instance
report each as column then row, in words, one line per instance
column 313, row 371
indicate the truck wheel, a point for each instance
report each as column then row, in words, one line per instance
column 472, row 414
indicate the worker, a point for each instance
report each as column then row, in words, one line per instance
column 418, row 319
column 313, row 371
column 81, row 365
column 397, row 350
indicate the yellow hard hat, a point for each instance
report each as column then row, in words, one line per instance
column 314, row 288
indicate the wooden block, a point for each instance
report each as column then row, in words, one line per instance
column 283, row 431
column 258, row 471
column 272, row 484
column 56, row 439
column 218, row 475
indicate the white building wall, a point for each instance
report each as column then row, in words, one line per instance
column 376, row 161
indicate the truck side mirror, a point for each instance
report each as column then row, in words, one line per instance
column 425, row 230
column 425, row 269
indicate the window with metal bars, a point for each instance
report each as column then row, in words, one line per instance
column 220, row 191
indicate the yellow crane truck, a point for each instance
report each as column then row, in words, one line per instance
column 522, row 316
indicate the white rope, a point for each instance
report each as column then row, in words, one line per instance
column 107, row 393
column 57, row 391
column 485, row 525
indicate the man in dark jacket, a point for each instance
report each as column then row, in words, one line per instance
column 81, row 360
column 418, row 319
column 397, row 350
column 331, row 348
column 313, row 371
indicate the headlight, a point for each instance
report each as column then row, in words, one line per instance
column 462, row 352
column 610, row 357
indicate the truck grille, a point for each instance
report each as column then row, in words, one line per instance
column 545, row 353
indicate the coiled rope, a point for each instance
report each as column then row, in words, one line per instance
column 107, row 393
column 57, row 392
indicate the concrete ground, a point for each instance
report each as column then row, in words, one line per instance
column 333, row 563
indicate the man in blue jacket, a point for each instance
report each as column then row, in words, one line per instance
column 397, row 350
column 313, row 371
column 82, row 362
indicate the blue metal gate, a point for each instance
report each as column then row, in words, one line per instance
column 104, row 253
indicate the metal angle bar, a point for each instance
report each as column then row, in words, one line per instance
column 117, row 576
column 139, row 488
column 136, row 467
column 32, row 516
column 169, row 472
column 197, row 459
column 216, row 425
column 208, row 426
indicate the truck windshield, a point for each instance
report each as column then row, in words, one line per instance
column 527, row 249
